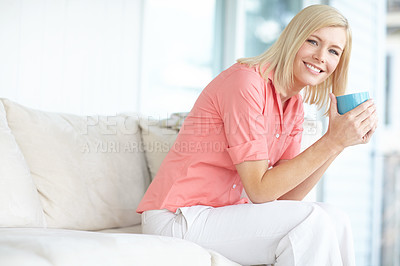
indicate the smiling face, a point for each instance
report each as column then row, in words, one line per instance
column 318, row 57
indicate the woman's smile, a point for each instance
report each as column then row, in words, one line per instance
column 313, row 69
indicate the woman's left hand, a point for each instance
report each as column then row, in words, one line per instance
column 354, row 127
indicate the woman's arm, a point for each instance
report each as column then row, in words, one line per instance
column 300, row 191
column 264, row 185
column 294, row 178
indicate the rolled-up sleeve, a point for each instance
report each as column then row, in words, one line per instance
column 249, row 151
column 241, row 101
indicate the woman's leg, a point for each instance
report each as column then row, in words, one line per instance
column 281, row 232
column 343, row 232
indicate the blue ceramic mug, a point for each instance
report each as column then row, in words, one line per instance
column 348, row 102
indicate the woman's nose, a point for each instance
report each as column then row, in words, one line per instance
column 319, row 56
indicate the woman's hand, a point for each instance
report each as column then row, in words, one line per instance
column 354, row 127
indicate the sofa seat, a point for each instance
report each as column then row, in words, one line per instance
column 45, row 247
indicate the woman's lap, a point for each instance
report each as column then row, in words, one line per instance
column 246, row 233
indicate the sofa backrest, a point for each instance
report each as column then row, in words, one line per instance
column 89, row 171
column 157, row 141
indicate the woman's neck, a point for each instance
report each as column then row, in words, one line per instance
column 285, row 95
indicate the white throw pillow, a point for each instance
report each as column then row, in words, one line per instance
column 89, row 171
column 19, row 200
column 157, row 142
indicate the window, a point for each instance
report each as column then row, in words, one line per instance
column 388, row 105
column 177, row 58
column 265, row 20
column 393, row 5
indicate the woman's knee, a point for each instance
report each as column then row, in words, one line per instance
column 337, row 216
column 328, row 215
column 307, row 215
column 316, row 232
column 321, row 219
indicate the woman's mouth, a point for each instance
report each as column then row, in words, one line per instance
column 313, row 68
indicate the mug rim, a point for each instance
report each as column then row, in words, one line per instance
column 351, row 94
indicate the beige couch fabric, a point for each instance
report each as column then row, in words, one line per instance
column 59, row 247
column 157, row 141
column 89, row 171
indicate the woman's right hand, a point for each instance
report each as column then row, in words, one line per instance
column 354, row 127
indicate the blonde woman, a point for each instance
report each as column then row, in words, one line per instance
column 244, row 131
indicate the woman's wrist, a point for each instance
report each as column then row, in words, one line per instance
column 332, row 144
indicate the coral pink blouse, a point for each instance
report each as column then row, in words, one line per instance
column 238, row 117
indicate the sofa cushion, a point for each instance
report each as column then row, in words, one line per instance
column 19, row 200
column 59, row 247
column 89, row 171
column 157, row 141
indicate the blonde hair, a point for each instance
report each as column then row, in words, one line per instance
column 280, row 56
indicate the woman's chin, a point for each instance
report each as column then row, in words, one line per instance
column 314, row 82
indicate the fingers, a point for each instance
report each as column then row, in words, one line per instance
column 370, row 124
column 363, row 116
column 366, row 113
column 364, row 120
column 361, row 108
column 367, row 137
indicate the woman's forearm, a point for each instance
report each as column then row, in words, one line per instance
column 296, row 177
column 299, row 192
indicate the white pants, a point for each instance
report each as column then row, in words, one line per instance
column 283, row 233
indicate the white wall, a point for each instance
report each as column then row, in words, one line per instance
column 70, row 55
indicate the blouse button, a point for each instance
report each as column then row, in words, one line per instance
column 234, row 186
column 277, row 136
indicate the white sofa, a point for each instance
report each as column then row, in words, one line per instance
column 70, row 185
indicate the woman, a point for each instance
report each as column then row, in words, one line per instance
column 244, row 131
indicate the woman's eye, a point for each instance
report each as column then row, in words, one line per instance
column 333, row 52
column 312, row 42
